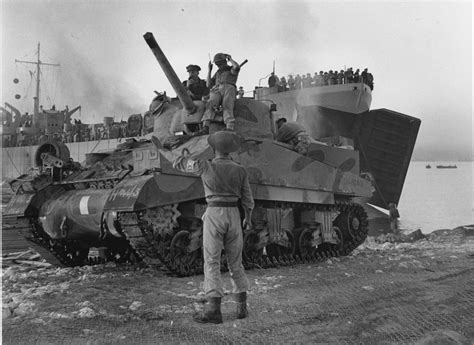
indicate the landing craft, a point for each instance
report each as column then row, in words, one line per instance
column 136, row 206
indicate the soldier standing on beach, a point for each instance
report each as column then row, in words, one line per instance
column 225, row 182
column 394, row 215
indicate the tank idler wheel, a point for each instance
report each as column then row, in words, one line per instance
column 178, row 249
column 275, row 250
column 305, row 246
column 349, row 223
column 250, row 252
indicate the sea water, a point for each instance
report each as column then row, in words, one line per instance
column 435, row 198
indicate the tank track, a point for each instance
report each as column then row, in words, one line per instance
column 153, row 238
column 151, row 232
column 65, row 253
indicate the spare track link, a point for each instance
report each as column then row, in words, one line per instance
column 62, row 253
column 151, row 247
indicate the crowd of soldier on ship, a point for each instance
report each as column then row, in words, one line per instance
column 332, row 77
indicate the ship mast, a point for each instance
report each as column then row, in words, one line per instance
column 36, row 99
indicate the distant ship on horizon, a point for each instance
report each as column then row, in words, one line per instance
column 446, row 166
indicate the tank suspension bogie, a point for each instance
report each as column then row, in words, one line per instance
column 285, row 234
column 171, row 235
column 315, row 235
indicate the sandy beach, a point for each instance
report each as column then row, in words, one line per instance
column 382, row 293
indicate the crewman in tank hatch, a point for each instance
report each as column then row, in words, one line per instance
column 225, row 182
column 195, row 86
column 294, row 134
column 223, row 91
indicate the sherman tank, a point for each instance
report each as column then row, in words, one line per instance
column 134, row 206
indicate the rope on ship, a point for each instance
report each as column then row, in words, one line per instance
column 13, row 163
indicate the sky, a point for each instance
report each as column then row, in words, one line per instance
column 420, row 54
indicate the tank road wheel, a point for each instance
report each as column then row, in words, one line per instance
column 275, row 250
column 179, row 254
column 305, row 243
column 251, row 252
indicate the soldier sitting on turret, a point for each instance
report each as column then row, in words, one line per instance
column 294, row 134
column 195, row 86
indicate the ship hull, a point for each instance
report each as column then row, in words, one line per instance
column 324, row 111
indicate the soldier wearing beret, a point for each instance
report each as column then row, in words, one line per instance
column 195, row 86
column 225, row 182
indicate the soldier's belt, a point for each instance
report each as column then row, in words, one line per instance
column 222, row 204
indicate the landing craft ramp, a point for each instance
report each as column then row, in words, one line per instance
column 385, row 140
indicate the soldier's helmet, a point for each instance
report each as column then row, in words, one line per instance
column 219, row 57
column 224, row 141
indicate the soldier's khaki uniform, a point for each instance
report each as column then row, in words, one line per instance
column 223, row 91
column 224, row 183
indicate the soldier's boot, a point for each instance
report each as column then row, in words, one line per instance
column 212, row 311
column 203, row 131
column 205, row 128
column 241, row 299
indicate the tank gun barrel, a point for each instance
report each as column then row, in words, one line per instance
column 178, row 87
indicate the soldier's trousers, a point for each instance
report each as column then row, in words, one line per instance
column 222, row 230
column 226, row 94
